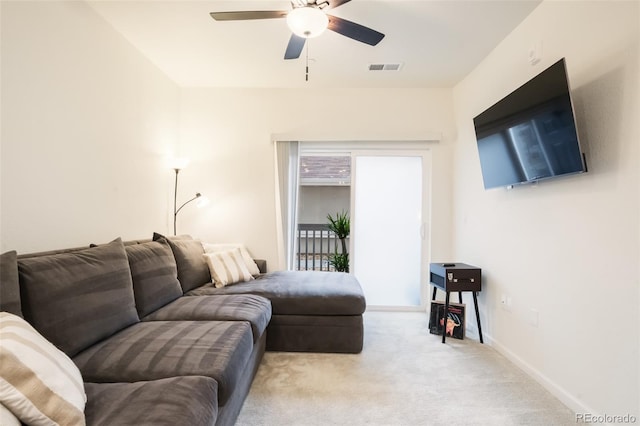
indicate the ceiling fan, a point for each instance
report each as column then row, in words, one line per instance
column 307, row 19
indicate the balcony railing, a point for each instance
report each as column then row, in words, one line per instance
column 316, row 243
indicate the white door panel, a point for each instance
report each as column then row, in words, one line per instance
column 388, row 228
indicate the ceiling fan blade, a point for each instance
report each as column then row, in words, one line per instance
column 354, row 31
column 295, row 46
column 247, row 15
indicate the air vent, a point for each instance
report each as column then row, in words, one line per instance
column 385, row 67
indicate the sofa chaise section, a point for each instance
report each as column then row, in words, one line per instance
column 312, row 311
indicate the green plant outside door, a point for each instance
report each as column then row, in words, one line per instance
column 340, row 225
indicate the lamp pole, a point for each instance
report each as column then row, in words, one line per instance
column 175, row 214
column 177, row 209
column 175, row 200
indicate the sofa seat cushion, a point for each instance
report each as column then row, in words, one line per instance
column 234, row 307
column 78, row 298
column 301, row 292
column 159, row 349
column 189, row 400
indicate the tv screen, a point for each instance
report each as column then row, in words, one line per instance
column 530, row 134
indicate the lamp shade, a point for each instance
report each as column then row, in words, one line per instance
column 178, row 163
column 203, row 201
column 307, row 22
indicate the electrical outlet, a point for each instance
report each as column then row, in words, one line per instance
column 505, row 301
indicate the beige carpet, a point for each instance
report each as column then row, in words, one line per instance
column 404, row 376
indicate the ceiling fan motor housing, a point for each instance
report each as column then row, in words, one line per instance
column 307, row 21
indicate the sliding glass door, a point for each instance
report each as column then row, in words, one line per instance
column 388, row 227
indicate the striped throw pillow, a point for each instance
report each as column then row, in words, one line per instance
column 39, row 383
column 227, row 267
column 248, row 260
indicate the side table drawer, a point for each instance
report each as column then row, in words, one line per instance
column 464, row 280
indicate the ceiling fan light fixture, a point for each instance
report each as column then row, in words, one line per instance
column 307, row 22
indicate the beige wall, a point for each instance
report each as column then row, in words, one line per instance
column 567, row 249
column 86, row 124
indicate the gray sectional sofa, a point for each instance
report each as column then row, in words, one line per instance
column 155, row 341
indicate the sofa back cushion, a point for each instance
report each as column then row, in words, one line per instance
column 9, row 284
column 154, row 274
column 193, row 271
column 77, row 299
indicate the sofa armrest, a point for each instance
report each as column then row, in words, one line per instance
column 262, row 265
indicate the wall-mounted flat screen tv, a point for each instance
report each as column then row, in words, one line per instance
column 531, row 134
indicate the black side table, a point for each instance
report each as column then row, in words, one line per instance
column 458, row 277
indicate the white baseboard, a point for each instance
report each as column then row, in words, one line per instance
column 556, row 390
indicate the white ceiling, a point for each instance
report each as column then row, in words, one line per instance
column 438, row 42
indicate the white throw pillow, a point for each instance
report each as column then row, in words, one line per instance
column 248, row 260
column 227, row 267
column 39, row 383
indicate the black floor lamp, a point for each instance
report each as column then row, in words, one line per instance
column 176, row 209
